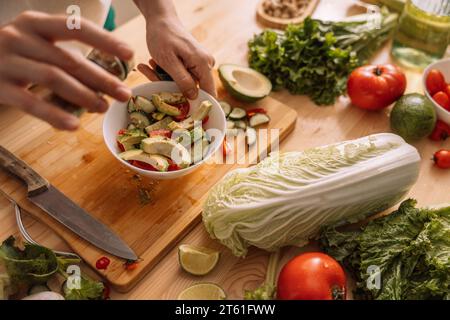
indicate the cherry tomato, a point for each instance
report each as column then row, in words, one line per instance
column 131, row 265
column 252, row 112
column 442, row 159
column 102, row 263
column 162, row 133
column 441, row 131
column 143, row 165
column 312, row 276
column 173, row 166
column 120, row 146
column 376, row 87
column 205, row 121
column 435, row 82
column 121, row 132
column 442, row 99
column 447, row 90
column 184, row 108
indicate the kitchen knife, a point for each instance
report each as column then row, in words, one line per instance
column 64, row 210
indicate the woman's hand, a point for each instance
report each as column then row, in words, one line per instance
column 180, row 55
column 28, row 56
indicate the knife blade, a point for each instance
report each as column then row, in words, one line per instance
column 64, row 210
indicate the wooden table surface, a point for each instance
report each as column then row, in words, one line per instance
column 224, row 27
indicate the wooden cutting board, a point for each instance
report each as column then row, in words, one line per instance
column 80, row 165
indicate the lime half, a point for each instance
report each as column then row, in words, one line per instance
column 198, row 261
column 203, row 291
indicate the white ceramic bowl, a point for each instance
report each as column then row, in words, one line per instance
column 444, row 67
column 116, row 118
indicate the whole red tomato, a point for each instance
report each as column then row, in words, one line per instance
column 376, row 87
column 312, row 276
column 442, row 99
column 442, row 159
column 435, row 82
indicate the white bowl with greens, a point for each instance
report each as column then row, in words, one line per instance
column 156, row 135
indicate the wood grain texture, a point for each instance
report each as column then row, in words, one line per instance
column 224, row 27
column 87, row 173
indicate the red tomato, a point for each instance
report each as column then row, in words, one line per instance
column 442, row 99
column 312, row 276
column 205, row 121
column 184, row 108
column 121, row 132
column 102, row 263
column 447, row 90
column 120, row 146
column 252, row 112
column 143, row 165
column 376, row 87
column 435, row 82
column 162, row 133
column 441, row 131
column 442, row 159
column 173, row 166
column 131, row 265
column 106, row 292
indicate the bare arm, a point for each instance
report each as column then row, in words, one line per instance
column 175, row 49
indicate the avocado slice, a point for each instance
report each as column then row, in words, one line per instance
column 199, row 151
column 243, row 83
column 187, row 124
column 172, row 98
column 163, row 124
column 165, row 107
column 168, row 148
column 203, row 111
column 160, row 163
column 130, row 138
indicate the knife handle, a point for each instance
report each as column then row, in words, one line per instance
column 36, row 184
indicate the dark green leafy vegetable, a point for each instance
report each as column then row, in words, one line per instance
column 32, row 265
column 89, row 290
column 316, row 57
column 35, row 265
column 411, row 247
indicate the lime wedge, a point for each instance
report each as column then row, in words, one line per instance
column 198, row 261
column 203, row 291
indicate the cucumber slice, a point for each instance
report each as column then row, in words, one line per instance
column 225, row 107
column 158, row 116
column 237, row 114
column 259, row 119
column 240, row 124
column 251, row 136
column 139, row 119
column 230, row 124
column 143, row 104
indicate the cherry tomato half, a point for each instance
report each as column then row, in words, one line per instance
column 161, row 133
column 102, row 263
column 173, row 166
column 184, row 107
column 254, row 111
column 143, row 165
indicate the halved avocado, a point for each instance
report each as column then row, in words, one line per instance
column 168, row 148
column 160, row 163
column 164, row 107
column 243, row 83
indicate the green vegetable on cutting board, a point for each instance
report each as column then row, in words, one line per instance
column 287, row 198
column 316, row 57
column 411, row 248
